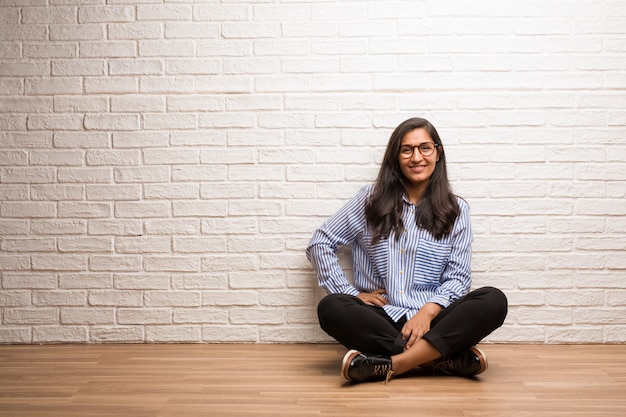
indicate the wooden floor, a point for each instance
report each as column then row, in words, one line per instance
column 300, row 380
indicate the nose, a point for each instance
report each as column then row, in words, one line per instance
column 416, row 155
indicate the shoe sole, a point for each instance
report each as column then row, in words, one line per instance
column 482, row 358
column 345, row 363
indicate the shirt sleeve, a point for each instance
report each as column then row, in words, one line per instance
column 456, row 279
column 340, row 229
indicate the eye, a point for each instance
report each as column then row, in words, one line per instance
column 406, row 150
column 426, row 147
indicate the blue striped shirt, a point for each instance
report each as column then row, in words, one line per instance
column 414, row 270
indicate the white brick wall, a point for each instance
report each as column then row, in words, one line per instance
column 163, row 164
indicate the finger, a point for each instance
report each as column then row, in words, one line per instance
column 379, row 301
column 406, row 332
column 382, row 300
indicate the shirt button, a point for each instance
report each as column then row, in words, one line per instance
column 401, row 272
column 401, row 292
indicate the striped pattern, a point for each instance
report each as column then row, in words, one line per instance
column 414, row 270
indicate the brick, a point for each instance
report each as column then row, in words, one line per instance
column 230, row 156
column 59, row 298
column 27, row 244
column 221, row 12
column 122, row 227
column 15, row 335
column 141, row 281
column 560, row 335
column 250, row 65
column 141, row 174
column 164, row 334
column 223, row 263
column 135, row 30
column 199, row 244
column 84, row 175
column 171, row 191
column 226, row 120
column 154, row 121
column 258, row 315
column 166, row 48
column 230, row 333
column 22, row 32
column 144, row 316
column 223, row 48
column 14, row 227
column 85, row 281
column 138, row 66
column 164, row 12
column 112, row 122
column 113, row 263
column 28, row 209
column 172, row 226
column 81, row 32
column 199, row 208
column 172, row 298
column 259, row 208
column 195, row 103
column 16, row 280
column 84, row 210
column 115, row 298
column 116, row 334
column 26, row 105
column 256, row 281
column 58, row 226
column 85, row 244
column 55, row 122
column 142, row 209
column 59, row 334
column 111, row 85
column 199, row 281
column 140, row 139
column 113, row 192
column 56, row 192
column 143, row 244
column 198, row 173
column 31, row 316
column 200, row 316
column 286, row 333
column 79, row 104
column 174, row 85
column 190, row 30
column 105, row 14
column 137, row 103
column 222, row 226
column 172, row 264
column 81, row 140
column 101, row 157
column 250, row 30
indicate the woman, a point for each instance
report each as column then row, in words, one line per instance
column 410, row 304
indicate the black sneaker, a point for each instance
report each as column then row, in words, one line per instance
column 358, row 367
column 467, row 363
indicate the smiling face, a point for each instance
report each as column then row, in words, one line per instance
column 417, row 168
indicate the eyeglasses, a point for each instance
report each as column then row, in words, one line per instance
column 426, row 149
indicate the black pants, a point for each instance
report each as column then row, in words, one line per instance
column 369, row 329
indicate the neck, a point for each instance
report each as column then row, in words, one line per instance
column 415, row 194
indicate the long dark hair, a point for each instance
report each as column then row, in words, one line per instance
column 438, row 208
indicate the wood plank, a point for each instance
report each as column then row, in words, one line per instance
column 173, row 380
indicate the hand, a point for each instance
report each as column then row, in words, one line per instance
column 419, row 324
column 374, row 298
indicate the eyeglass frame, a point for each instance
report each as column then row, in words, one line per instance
column 435, row 147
